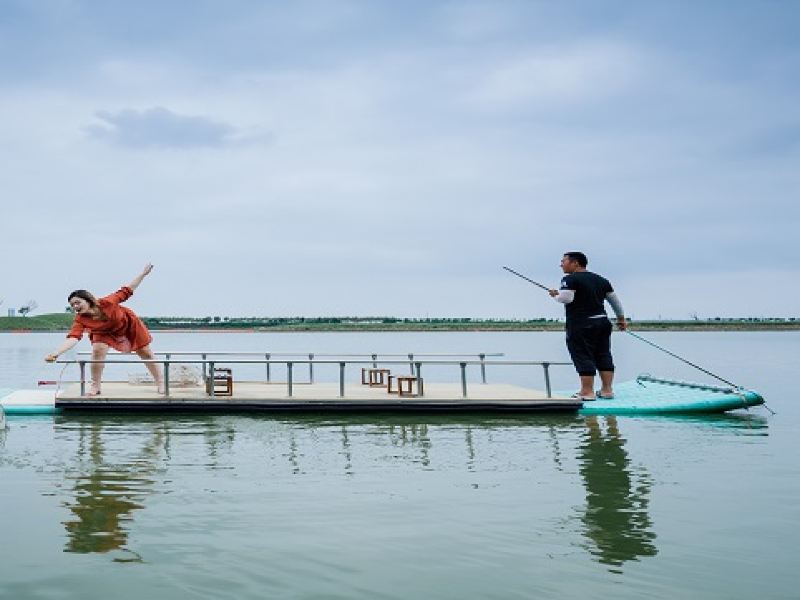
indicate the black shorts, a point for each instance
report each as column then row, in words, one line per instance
column 589, row 345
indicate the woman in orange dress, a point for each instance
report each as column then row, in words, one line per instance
column 110, row 326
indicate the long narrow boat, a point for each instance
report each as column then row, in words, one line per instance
column 646, row 395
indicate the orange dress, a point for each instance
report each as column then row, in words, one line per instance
column 122, row 329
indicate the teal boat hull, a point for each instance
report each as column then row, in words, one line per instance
column 648, row 395
column 28, row 402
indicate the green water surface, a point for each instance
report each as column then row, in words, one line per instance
column 403, row 506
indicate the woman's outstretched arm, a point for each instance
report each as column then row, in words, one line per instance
column 64, row 347
column 138, row 279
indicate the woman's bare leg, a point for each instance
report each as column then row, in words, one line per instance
column 99, row 352
column 155, row 369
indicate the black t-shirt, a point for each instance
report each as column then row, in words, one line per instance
column 590, row 294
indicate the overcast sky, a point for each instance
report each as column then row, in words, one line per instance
column 369, row 158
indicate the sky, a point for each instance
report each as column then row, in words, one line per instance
column 347, row 157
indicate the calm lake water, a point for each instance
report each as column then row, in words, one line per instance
column 410, row 506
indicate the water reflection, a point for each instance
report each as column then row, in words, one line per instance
column 734, row 423
column 107, row 492
column 615, row 519
column 414, row 435
column 122, row 461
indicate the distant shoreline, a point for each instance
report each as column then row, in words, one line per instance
column 60, row 322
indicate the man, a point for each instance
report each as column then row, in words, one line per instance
column 583, row 294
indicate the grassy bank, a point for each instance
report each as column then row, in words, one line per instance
column 62, row 322
column 51, row 322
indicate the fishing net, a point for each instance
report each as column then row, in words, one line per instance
column 179, row 376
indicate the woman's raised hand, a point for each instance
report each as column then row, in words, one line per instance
column 51, row 358
column 138, row 279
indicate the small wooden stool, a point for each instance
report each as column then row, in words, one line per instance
column 374, row 377
column 220, row 381
column 407, row 382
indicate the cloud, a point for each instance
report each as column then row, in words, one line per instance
column 542, row 76
column 159, row 127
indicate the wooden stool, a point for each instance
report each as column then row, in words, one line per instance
column 220, row 381
column 374, row 377
column 405, row 385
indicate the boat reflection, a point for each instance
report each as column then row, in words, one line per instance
column 615, row 518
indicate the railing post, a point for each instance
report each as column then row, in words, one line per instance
column 546, row 367
column 341, row 380
column 166, row 378
column 411, row 363
column 82, row 365
column 167, row 358
column 289, row 366
column 374, row 361
column 205, row 366
column 463, row 379
column 483, row 367
column 211, row 378
column 418, row 366
column 311, row 368
column 267, row 355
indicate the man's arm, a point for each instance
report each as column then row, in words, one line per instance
column 563, row 296
column 616, row 306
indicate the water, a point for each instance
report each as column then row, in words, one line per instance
column 407, row 506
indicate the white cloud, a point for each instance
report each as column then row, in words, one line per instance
column 551, row 76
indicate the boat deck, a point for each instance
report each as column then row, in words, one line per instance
column 263, row 396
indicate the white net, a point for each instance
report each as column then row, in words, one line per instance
column 179, row 376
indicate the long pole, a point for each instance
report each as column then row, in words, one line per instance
column 528, row 279
column 680, row 358
column 640, row 338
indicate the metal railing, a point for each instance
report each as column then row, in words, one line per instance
column 374, row 356
column 208, row 365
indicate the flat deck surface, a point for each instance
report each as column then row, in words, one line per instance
column 316, row 396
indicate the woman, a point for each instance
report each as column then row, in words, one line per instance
column 110, row 325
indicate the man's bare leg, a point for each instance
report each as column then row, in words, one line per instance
column 587, row 386
column 607, row 383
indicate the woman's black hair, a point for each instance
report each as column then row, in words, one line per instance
column 88, row 296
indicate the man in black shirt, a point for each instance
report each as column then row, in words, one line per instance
column 583, row 294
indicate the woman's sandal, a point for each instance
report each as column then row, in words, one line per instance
column 577, row 396
column 603, row 396
column 96, row 392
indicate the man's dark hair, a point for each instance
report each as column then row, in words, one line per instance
column 578, row 257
